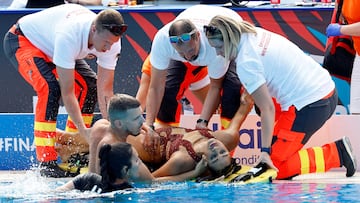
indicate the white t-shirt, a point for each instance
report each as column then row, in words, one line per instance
column 162, row 51
column 292, row 77
column 62, row 33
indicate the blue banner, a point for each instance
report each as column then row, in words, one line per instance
column 17, row 149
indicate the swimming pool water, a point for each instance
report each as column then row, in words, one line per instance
column 33, row 188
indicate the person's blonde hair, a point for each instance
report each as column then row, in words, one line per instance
column 230, row 33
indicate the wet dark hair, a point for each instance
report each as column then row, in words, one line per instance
column 227, row 171
column 113, row 159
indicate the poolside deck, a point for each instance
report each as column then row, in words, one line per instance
column 335, row 177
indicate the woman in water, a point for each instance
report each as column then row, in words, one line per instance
column 119, row 164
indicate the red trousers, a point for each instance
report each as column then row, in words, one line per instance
column 293, row 129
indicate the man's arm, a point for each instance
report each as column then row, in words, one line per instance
column 265, row 103
column 66, row 81
column 155, row 94
column 105, row 88
column 212, row 101
column 143, row 90
column 351, row 29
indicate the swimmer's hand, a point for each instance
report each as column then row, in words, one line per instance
column 246, row 98
column 65, row 151
column 69, row 143
column 67, row 138
column 201, row 166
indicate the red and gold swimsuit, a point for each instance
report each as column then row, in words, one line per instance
column 170, row 143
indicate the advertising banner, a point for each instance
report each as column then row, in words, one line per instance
column 248, row 149
column 17, row 150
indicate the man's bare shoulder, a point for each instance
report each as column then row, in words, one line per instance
column 99, row 131
column 101, row 122
column 100, row 126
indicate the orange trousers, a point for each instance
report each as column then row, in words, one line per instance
column 38, row 70
column 179, row 78
column 293, row 129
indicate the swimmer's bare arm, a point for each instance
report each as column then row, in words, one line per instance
column 246, row 104
column 180, row 162
column 230, row 136
column 66, row 187
column 197, row 171
column 200, row 94
column 68, row 138
column 75, row 138
column 68, row 143
column 144, row 174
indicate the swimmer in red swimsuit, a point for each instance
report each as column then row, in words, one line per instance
column 178, row 150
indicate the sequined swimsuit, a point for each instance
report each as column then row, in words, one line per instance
column 170, row 143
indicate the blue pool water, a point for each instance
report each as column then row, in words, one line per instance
column 33, row 188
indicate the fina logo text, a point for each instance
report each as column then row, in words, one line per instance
column 249, row 145
column 16, row 144
column 248, row 137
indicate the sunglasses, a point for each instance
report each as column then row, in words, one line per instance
column 183, row 37
column 211, row 30
column 116, row 29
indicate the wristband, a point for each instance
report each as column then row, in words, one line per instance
column 152, row 127
column 202, row 121
column 266, row 149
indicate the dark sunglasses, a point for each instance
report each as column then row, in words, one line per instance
column 183, row 37
column 115, row 28
column 211, row 30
